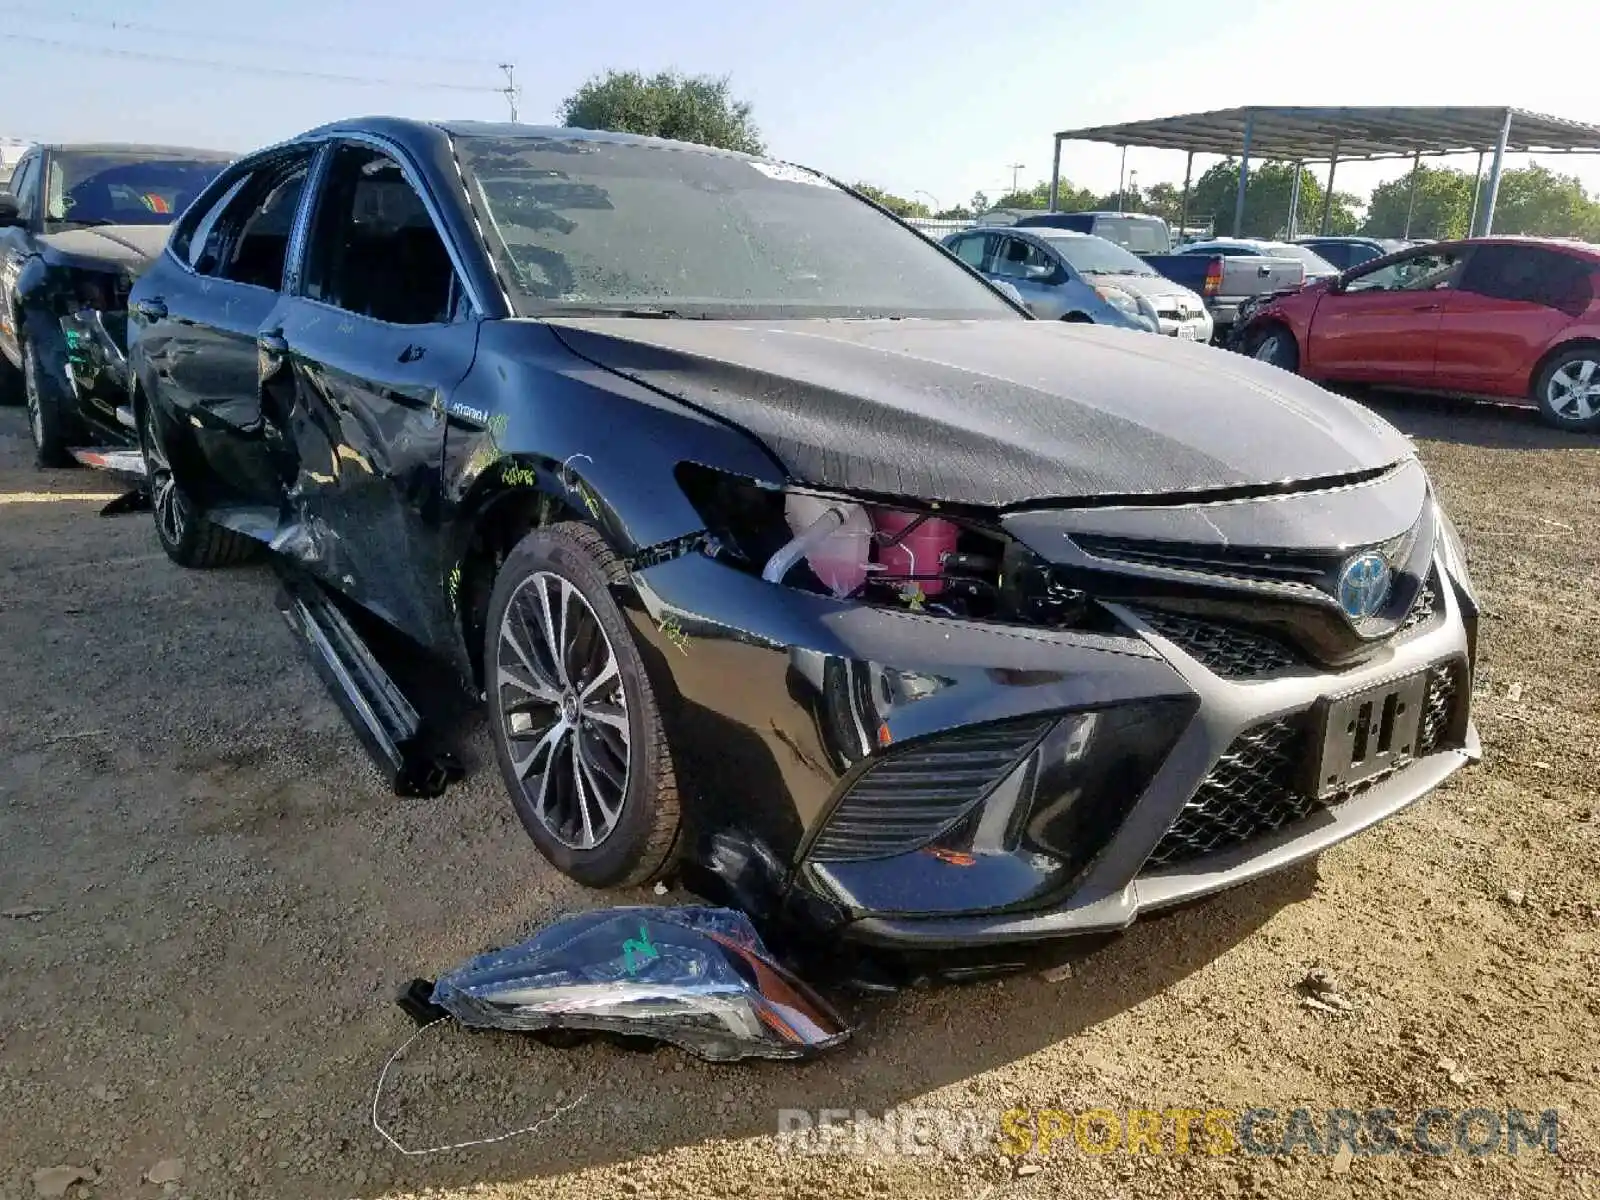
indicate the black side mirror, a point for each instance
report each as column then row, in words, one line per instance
column 10, row 210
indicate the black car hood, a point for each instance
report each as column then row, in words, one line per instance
column 106, row 247
column 996, row 413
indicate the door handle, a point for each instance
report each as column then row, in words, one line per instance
column 273, row 342
column 1427, row 308
column 152, row 309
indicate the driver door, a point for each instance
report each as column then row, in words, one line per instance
column 1382, row 325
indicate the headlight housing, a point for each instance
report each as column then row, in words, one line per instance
column 1121, row 300
column 897, row 554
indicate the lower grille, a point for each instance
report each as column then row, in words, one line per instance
column 1439, row 709
column 1251, row 791
column 1424, row 609
column 1226, row 650
column 909, row 797
column 1255, row 786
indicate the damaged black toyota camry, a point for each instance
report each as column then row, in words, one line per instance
column 786, row 553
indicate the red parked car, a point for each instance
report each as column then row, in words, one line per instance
column 1503, row 318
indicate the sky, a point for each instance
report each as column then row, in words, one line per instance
column 932, row 100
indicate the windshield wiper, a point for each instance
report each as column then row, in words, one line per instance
column 84, row 221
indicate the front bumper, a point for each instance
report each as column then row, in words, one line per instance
column 783, row 707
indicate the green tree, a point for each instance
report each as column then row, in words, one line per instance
column 1068, row 197
column 1443, row 205
column 1535, row 200
column 1266, row 201
column 698, row 108
column 898, row 205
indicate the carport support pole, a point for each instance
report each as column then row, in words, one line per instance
column 1494, row 175
column 1327, row 196
column 1477, row 190
column 1055, row 175
column 1411, row 204
column 1183, row 211
column 1294, row 199
column 1244, row 175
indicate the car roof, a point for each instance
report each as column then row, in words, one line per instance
column 138, row 148
column 414, row 134
column 1341, row 237
column 1582, row 249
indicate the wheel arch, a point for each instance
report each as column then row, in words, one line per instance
column 513, row 496
column 1542, row 363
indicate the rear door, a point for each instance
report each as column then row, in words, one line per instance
column 359, row 372
column 1383, row 325
column 199, row 326
column 1512, row 302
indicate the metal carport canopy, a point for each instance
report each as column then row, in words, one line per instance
column 1335, row 134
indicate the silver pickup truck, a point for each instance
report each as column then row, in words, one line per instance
column 1256, row 267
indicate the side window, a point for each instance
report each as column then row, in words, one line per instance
column 22, row 185
column 245, row 238
column 195, row 228
column 970, row 249
column 1023, row 260
column 1415, row 273
column 374, row 249
column 1529, row 275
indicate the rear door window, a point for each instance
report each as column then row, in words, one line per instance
column 1530, row 275
column 245, row 236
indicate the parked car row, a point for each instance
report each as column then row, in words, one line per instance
column 1510, row 319
column 781, row 548
column 77, row 224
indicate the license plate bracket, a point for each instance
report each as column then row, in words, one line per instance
column 1186, row 333
column 1368, row 732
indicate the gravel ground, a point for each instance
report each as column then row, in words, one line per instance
column 207, row 902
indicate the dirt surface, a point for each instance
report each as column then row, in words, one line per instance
column 209, row 902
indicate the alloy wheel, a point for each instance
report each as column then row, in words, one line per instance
column 30, row 395
column 1574, row 390
column 563, row 710
column 1269, row 349
column 171, row 513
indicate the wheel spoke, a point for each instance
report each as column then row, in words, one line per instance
column 586, row 772
column 595, row 758
column 613, row 715
column 607, row 673
column 550, row 741
column 541, row 686
column 1585, row 372
column 582, row 798
column 548, row 628
column 563, row 639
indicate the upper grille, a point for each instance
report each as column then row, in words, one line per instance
column 907, row 799
column 1227, row 650
column 1251, row 791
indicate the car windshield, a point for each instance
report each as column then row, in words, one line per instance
column 583, row 225
column 1096, row 256
column 122, row 188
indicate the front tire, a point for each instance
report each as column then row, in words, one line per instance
column 44, row 417
column 576, row 728
column 1273, row 344
column 188, row 538
column 1568, row 390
